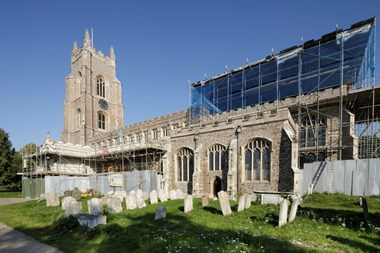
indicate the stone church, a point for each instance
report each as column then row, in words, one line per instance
column 248, row 130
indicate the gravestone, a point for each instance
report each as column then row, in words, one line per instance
column 139, row 194
column 104, row 200
column 114, row 205
column 76, row 194
column 283, row 212
column 91, row 220
column 241, row 204
column 121, row 194
column 153, row 197
column 293, row 209
column 364, row 205
column 179, row 194
column 160, row 213
column 95, row 206
column 72, row 208
column 145, row 195
column 248, row 201
column 162, row 195
column 254, row 197
column 66, row 200
column 140, row 201
column 188, row 203
column 224, row 203
column 173, row 194
column 131, row 202
column 52, row 199
column 204, row 201
column 132, row 193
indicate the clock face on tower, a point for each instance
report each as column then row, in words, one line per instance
column 103, row 104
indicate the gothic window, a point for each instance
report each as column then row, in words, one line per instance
column 139, row 137
column 312, row 131
column 146, row 136
column 77, row 120
column 218, row 158
column 155, row 134
column 100, row 87
column 165, row 131
column 101, row 120
column 258, row 160
column 185, row 164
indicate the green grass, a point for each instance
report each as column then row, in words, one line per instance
column 325, row 223
column 10, row 194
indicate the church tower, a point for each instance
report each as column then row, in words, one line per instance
column 93, row 103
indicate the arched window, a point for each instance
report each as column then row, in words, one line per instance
column 218, row 158
column 312, row 131
column 78, row 119
column 258, row 160
column 101, row 120
column 100, row 87
column 185, row 164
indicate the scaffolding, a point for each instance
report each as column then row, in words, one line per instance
column 342, row 60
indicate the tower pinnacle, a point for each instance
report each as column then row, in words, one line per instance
column 86, row 40
column 112, row 53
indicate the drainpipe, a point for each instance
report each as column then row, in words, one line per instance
column 238, row 131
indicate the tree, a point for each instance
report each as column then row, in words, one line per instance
column 6, row 159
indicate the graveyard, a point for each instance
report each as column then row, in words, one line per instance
column 323, row 223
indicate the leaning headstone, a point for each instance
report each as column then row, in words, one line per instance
column 162, row 195
column 188, row 203
column 52, row 199
column 121, row 194
column 293, row 209
column 95, row 206
column 283, row 212
column 204, row 201
column 153, row 197
column 91, row 220
column 114, row 205
column 160, row 213
column 145, row 195
column 248, row 201
column 76, row 194
column 224, row 203
column 241, row 204
column 72, row 208
column 66, row 200
column 131, row 202
column 179, row 194
column 173, row 194
column 364, row 205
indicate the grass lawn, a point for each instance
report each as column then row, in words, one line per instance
column 9, row 194
column 325, row 223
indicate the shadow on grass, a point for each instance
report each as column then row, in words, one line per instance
column 344, row 218
column 212, row 210
column 175, row 233
column 354, row 243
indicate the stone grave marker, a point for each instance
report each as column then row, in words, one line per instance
column 145, row 195
column 364, row 205
column 131, row 202
column 283, row 212
column 95, row 206
column 153, row 197
column 188, row 203
column 254, row 197
column 76, row 194
column 241, row 205
column 104, row 200
column 205, row 201
column 173, row 194
column 66, row 200
column 91, row 220
column 162, row 195
column 121, row 194
column 160, row 213
column 293, row 209
column 248, row 201
column 179, row 194
column 139, row 194
column 140, row 201
column 114, row 205
column 224, row 203
column 72, row 208
column 52, row 199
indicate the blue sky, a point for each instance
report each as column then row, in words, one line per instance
column 159, row 46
